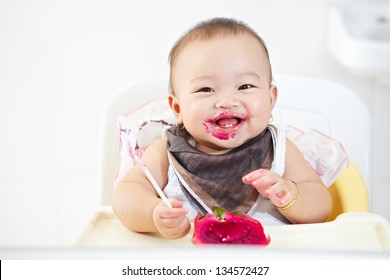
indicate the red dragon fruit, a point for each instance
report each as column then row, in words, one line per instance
column 223, row 227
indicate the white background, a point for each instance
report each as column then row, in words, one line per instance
column 60, row 61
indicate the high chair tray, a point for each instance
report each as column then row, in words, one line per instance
column 353, row 231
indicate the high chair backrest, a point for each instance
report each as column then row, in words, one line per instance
column 124, row 100
column 302, row 102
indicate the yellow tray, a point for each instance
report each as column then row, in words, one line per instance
column 353, row 231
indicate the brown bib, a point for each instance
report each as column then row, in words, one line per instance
column 217, row 179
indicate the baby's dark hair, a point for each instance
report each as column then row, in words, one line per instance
column 210, row 29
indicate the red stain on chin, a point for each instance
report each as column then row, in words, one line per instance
column 221, row 136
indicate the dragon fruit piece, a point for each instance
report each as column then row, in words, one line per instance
column 223, row 227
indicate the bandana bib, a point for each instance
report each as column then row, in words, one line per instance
column 216, row 180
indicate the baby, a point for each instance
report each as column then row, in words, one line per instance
column 222, row 150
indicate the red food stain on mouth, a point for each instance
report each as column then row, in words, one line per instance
column 228, row 122
column 225, row 125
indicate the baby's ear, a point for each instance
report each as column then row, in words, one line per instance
column 273, row 95
column 173, row 102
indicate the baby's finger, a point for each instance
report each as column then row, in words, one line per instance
column 280, row 195
column 250, row 177
column 171, row 213
column 176, row 203
column 181, row 229
column 172, row 222
column 264, row 182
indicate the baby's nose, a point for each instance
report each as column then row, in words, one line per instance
column 227, row 102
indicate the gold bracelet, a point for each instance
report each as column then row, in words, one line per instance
column 294, row 199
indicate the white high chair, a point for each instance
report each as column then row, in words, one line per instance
column 302, row 102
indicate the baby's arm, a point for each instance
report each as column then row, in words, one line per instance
column 313, row 202
column 136, row 204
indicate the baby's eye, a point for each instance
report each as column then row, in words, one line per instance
column 205, row 89
column 246, row 86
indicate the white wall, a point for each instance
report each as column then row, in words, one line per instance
column 61, row 60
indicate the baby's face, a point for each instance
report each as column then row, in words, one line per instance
column 222, row 92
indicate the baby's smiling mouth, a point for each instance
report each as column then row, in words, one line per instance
column 228, row 122
column 225, row 125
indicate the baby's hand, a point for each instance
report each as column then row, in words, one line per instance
column 172, row 222
column 280, row 191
